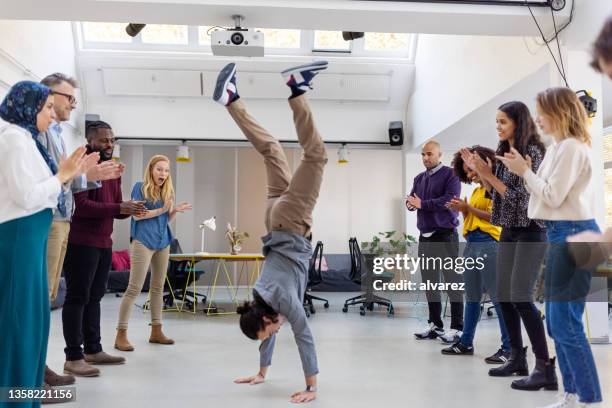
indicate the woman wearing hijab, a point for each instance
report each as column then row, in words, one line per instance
column 30, row 183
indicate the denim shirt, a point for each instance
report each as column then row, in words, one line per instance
column 154, row 233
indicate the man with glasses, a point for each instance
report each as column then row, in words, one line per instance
column 63, row 87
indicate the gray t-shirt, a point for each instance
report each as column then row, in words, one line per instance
column 282, row 285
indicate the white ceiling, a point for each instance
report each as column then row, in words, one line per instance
column 346, row 15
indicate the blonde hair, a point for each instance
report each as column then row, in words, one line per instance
column 567, row 113
column 150, row 191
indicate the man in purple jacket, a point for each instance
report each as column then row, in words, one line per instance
column 88, row 261
column 431, row 190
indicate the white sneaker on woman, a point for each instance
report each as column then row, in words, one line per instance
column 567, row 401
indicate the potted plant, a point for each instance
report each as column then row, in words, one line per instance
column 387, row 243
column 235, row 238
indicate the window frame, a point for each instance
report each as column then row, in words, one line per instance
column 356, row 48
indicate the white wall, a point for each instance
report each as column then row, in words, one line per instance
column 199, row 117
column 30, row 50
column 358, row 199
column 457, row 74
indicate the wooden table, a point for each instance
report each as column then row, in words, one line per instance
column 221, row 264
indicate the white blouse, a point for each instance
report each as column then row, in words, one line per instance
column 563, row 188
column 27, row 186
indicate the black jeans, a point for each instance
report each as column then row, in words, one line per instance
column 519, row 261
column 86, row 271
column 442, row 244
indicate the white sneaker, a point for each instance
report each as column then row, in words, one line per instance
column 451, row 337
column 567, row 401
column 429, row 333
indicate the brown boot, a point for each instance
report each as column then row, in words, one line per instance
column 157, row 336
column 80, row 368
column 121, row 341
column 56, row 380
column 103, row 358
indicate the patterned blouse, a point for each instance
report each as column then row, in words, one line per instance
column 511, row 210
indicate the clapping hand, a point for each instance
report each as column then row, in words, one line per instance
column 71, row 166
column 457, row 204
column 413, row 201
column 515, row 162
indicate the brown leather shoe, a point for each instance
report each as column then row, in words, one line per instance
column 103, row 358
column 52, row 399
column 55, row 380
column 80, row 368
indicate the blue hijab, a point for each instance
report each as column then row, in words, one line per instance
column 20, row 107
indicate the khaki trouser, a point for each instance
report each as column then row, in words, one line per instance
column 141, row 258
column 291, row 200
column 56, row 251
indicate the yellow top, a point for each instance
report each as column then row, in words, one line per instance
column 471, row 223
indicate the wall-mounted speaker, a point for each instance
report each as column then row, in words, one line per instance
column 396, row 133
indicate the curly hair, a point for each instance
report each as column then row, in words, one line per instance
column 457, row 163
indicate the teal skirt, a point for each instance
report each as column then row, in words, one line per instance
column 24, row 302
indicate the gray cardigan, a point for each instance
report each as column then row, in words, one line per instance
column 282, row 285
column 78, row 184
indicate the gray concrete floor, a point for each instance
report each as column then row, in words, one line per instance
column 364, row 362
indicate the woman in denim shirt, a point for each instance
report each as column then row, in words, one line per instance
column 151, row 236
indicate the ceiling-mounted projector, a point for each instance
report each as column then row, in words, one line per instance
column 237, row 41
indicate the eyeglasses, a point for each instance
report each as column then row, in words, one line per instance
column 71, row 98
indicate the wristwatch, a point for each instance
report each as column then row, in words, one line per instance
column 311, row 388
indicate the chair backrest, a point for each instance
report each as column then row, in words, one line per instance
column 176, row 268
column 356, row 259
column 175, row 247
column 314, row 271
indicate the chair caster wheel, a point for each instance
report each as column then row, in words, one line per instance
column 390, row 311
column 489, row 313
column 371, row 307
column 361, row 308
column 326, row 305
column 362, row 312
column 307, row 314
column 344, row 309
column 313, row 310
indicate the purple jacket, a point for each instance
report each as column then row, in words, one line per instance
column 435, row 191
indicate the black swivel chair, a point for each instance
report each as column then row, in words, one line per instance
column 368, row 299
column 314, row 278
column 179, row 280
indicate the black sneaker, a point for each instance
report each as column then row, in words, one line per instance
column 500, row 357
column 431, row 332
column 458, row 349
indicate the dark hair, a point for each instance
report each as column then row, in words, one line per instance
column 252, row 314
column 602, row 47
column 525, row 132
column 92, row 127
column 457, row 163
column 57, row 78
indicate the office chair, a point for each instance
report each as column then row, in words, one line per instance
column 178, row 281
column 368, row 299
column 314, row 278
